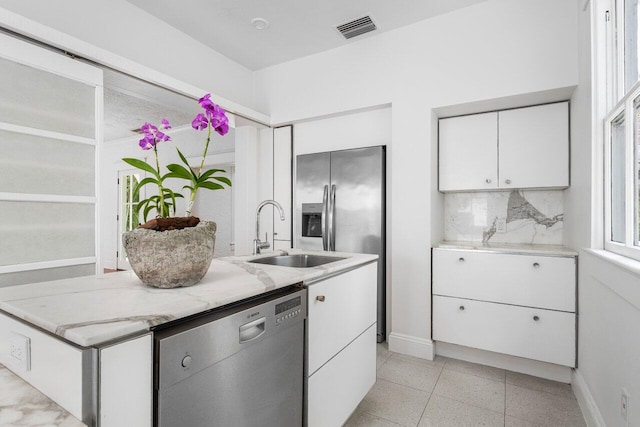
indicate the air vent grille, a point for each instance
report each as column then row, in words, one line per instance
column 357, row 27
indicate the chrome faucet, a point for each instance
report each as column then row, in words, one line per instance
column 257, row 244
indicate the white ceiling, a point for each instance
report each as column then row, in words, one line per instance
column 297, row 27
column 130, row 102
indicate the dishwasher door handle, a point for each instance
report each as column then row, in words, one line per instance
column 252, row 330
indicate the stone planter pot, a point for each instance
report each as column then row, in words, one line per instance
column 172, row 258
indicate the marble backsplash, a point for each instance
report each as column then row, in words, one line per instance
column 519, row 216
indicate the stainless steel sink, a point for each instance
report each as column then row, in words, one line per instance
column 298, row 261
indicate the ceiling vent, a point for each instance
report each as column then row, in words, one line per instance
column 357, row 27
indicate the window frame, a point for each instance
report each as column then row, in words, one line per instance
column 122, row 261
column 626, row 108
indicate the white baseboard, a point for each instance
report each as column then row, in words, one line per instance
column 412, row 346
column 505, row 361
column 590, row 411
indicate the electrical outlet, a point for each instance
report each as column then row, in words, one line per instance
column 624, row 406
column 501, row 225
column 20, row 351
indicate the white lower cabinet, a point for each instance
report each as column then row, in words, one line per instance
column 518, row 304
column 341, row 344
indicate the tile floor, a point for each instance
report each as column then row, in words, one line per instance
column 448, row 392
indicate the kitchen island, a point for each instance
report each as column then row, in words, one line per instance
column 74, row 322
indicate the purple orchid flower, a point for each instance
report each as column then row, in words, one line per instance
column 215, row 115
column 148, row 128
column 222, row 127
column 148, row 142
column 162, row 137
column 152, row 135
column 200, row 122
column 205, row 102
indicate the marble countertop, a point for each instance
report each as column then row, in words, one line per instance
column 93, row 310
column 545, row 250
column 23, row 405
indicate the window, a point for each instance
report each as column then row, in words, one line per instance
column 622, row 127
column 128, row 217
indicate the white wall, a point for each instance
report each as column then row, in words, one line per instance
column 495, row 49
column 609, row 285
column 356, row 130
column 123, row 29
column 609, row 338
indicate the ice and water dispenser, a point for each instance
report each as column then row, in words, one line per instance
column 312, row 219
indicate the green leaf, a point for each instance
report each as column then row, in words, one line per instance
column 184, row 160
column 223, row 179
column 205, row 175
column 147, row 210
column 211, row 186
column 142, row 183
column 178, row 171
column 140, row 164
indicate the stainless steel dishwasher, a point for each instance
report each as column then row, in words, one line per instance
column 238, row 366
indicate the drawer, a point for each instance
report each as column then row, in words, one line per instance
column 336, row 390
column 506, row 329
column 347, row 309
column 528, row 280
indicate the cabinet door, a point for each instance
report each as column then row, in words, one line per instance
column 282, row 181
column 468, row 152
column 534, row 146
column 126, row 383
column 336, row 389
column 340, row 309
column 545, row 335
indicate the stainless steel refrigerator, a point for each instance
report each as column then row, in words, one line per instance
column 340, row 206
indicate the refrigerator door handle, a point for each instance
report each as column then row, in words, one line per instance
column 324, row 218
column 332, row 219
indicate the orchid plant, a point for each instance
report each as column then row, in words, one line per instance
column 213, row 118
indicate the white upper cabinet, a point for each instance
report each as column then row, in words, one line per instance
column 468, row 152
column 519, row 148
column 534, row 146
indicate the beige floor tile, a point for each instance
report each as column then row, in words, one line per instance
column 574, row 416
column 445, row 412
column 364, row 419
column 541, row 408
column 394, row 402
column 488, row 372
column 540, row 384
column 411, row 372
column 517, row 422
column 437, row 362
column 382, row 354
column 471, row 389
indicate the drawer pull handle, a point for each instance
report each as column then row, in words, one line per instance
column 536, row 265
column 320, row 298
column 508, row 181
column 536, row 318
column 488, row 181
column 462, row 308
column 460, row 259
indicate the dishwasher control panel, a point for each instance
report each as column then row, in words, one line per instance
column 288, row 309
